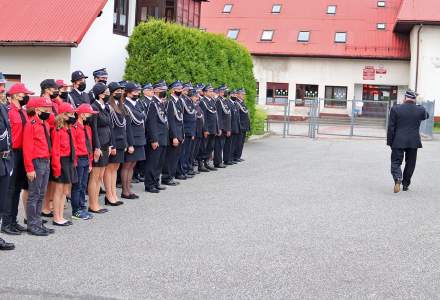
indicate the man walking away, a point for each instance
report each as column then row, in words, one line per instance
column 404, row 138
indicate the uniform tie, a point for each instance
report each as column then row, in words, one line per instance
column 46, row 133
column 88, row 144
column 72, row 148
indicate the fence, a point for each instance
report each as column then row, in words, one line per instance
column 361, row 118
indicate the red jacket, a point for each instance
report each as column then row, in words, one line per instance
column 61, row 148
column 17, row 125
column 55, row 107
column 35, row 144
column 80, row 140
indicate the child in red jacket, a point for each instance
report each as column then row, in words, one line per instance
column 84, row 151
column 63, row 161
column 37, row 148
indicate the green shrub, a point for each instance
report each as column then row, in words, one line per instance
column 159, row 50
column 259, row 121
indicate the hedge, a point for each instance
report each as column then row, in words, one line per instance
column 160, row 50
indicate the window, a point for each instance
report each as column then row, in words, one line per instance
column 381, row 26
column 120, row 17
column 335, row 96
column 381, row 4
column 277, row 93
column 340, row 37
column 233, row 33
column 303, row 36
column 331, row 10
column 276, row 8
column 304, row 92
column 227, row 8
column 267, row 35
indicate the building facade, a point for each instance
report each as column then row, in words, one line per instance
column 336, row 50
column 52, row 38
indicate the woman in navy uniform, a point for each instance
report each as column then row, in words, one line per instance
column 102, row 142
column 174, row 110
column 6, row 165
column 232, row 141
column 245, row 125
column 185, row 168
column 157, row 133
column 224, row 120
column 211, row 130
column 121, row 142
column 136, row 117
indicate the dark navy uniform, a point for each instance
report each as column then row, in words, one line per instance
column 211, row 126
column 157, row 131
column 404, row 139
column 198, row 141
column 122, row 135
column 6, row 165
column 77, row 98
column 189, row 124
column 245, row 127
column 224, row 121
column 232, row 141
column 102, row 132
column 136, row 116
column 174, row 110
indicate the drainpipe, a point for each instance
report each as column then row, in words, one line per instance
column 417, row 60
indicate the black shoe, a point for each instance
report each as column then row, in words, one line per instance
column 405, row 188
column 240, row 159
column 5, row 245
column 37, row 231
column 171, row 183
column 188, row 176
column 102, row 191
column 49, row 215
column 19, row 227
column 228, row 163
column 117, row 203
column 67, row 223
column 101, row 211
column 203, row 169
column 10, row 229
column 160, row 187
column 191, row 173
column 50, row 230
column 152, row 190
column 131, row 196
column 236, row 161
column 25, row 222
column 220, row 166
column 210, row 168
column 181, row 177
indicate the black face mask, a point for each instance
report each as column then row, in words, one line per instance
column 106, row 98
column 71, row 120
column 82, row 87
column 162, row 94
column 177, row 93
column 117, row 96
column 44, row 116
column 87, row 121
column 234, row 98
column 54, row 95
column 103, row 81
column 63, row 95
column 25, row 100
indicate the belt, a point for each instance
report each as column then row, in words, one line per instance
column 5, row 154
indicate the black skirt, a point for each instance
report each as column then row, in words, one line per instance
column 119, row 158
column 103, row 159
column 68, row 172
column 137, row 155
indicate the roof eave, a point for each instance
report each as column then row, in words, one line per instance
column 405, row 26
column 38, row 44
column 406, row 58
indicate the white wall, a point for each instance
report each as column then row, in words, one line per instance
column 35, row 64
column 326, row 72
column 101, row 48
column 429, row 63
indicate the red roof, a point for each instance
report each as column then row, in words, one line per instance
column 358, row 18
column 413, row 12
column 46, row 22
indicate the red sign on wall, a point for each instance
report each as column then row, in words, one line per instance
column 369, row 73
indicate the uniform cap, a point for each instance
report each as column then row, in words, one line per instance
column 113, row 86
column 85, row 108
column 147, row 86
column 207, row 87
column 100, row 73
column 188, row 85
column 192, row 92
column 176, row 85
column 410, row 94
column 65, row 108
column 61, row 83
column 98, row 89
column 132, row 86
column 161, row 85
column 77, row 75
column 19, row 88
column 39, row 102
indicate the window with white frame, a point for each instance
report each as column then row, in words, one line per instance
column 340, row 37
column 276, row 8
column 331, row 10
column 233, row 33
column 381, row 26
column 227, row 8
column 381, row 3
column 267, row 35
column 303, row 36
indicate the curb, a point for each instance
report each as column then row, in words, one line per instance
column 259, row 137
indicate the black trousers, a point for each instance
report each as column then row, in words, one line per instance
column 17, row 182
column 153, row 165
column 185, row 162
column 4, row 184
column 208, row 144
column 227, row 149
column 171, row 161
column 239, row 144
column 397, row 156
column 196, row 149
column 139, row 169
column 218, row 149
